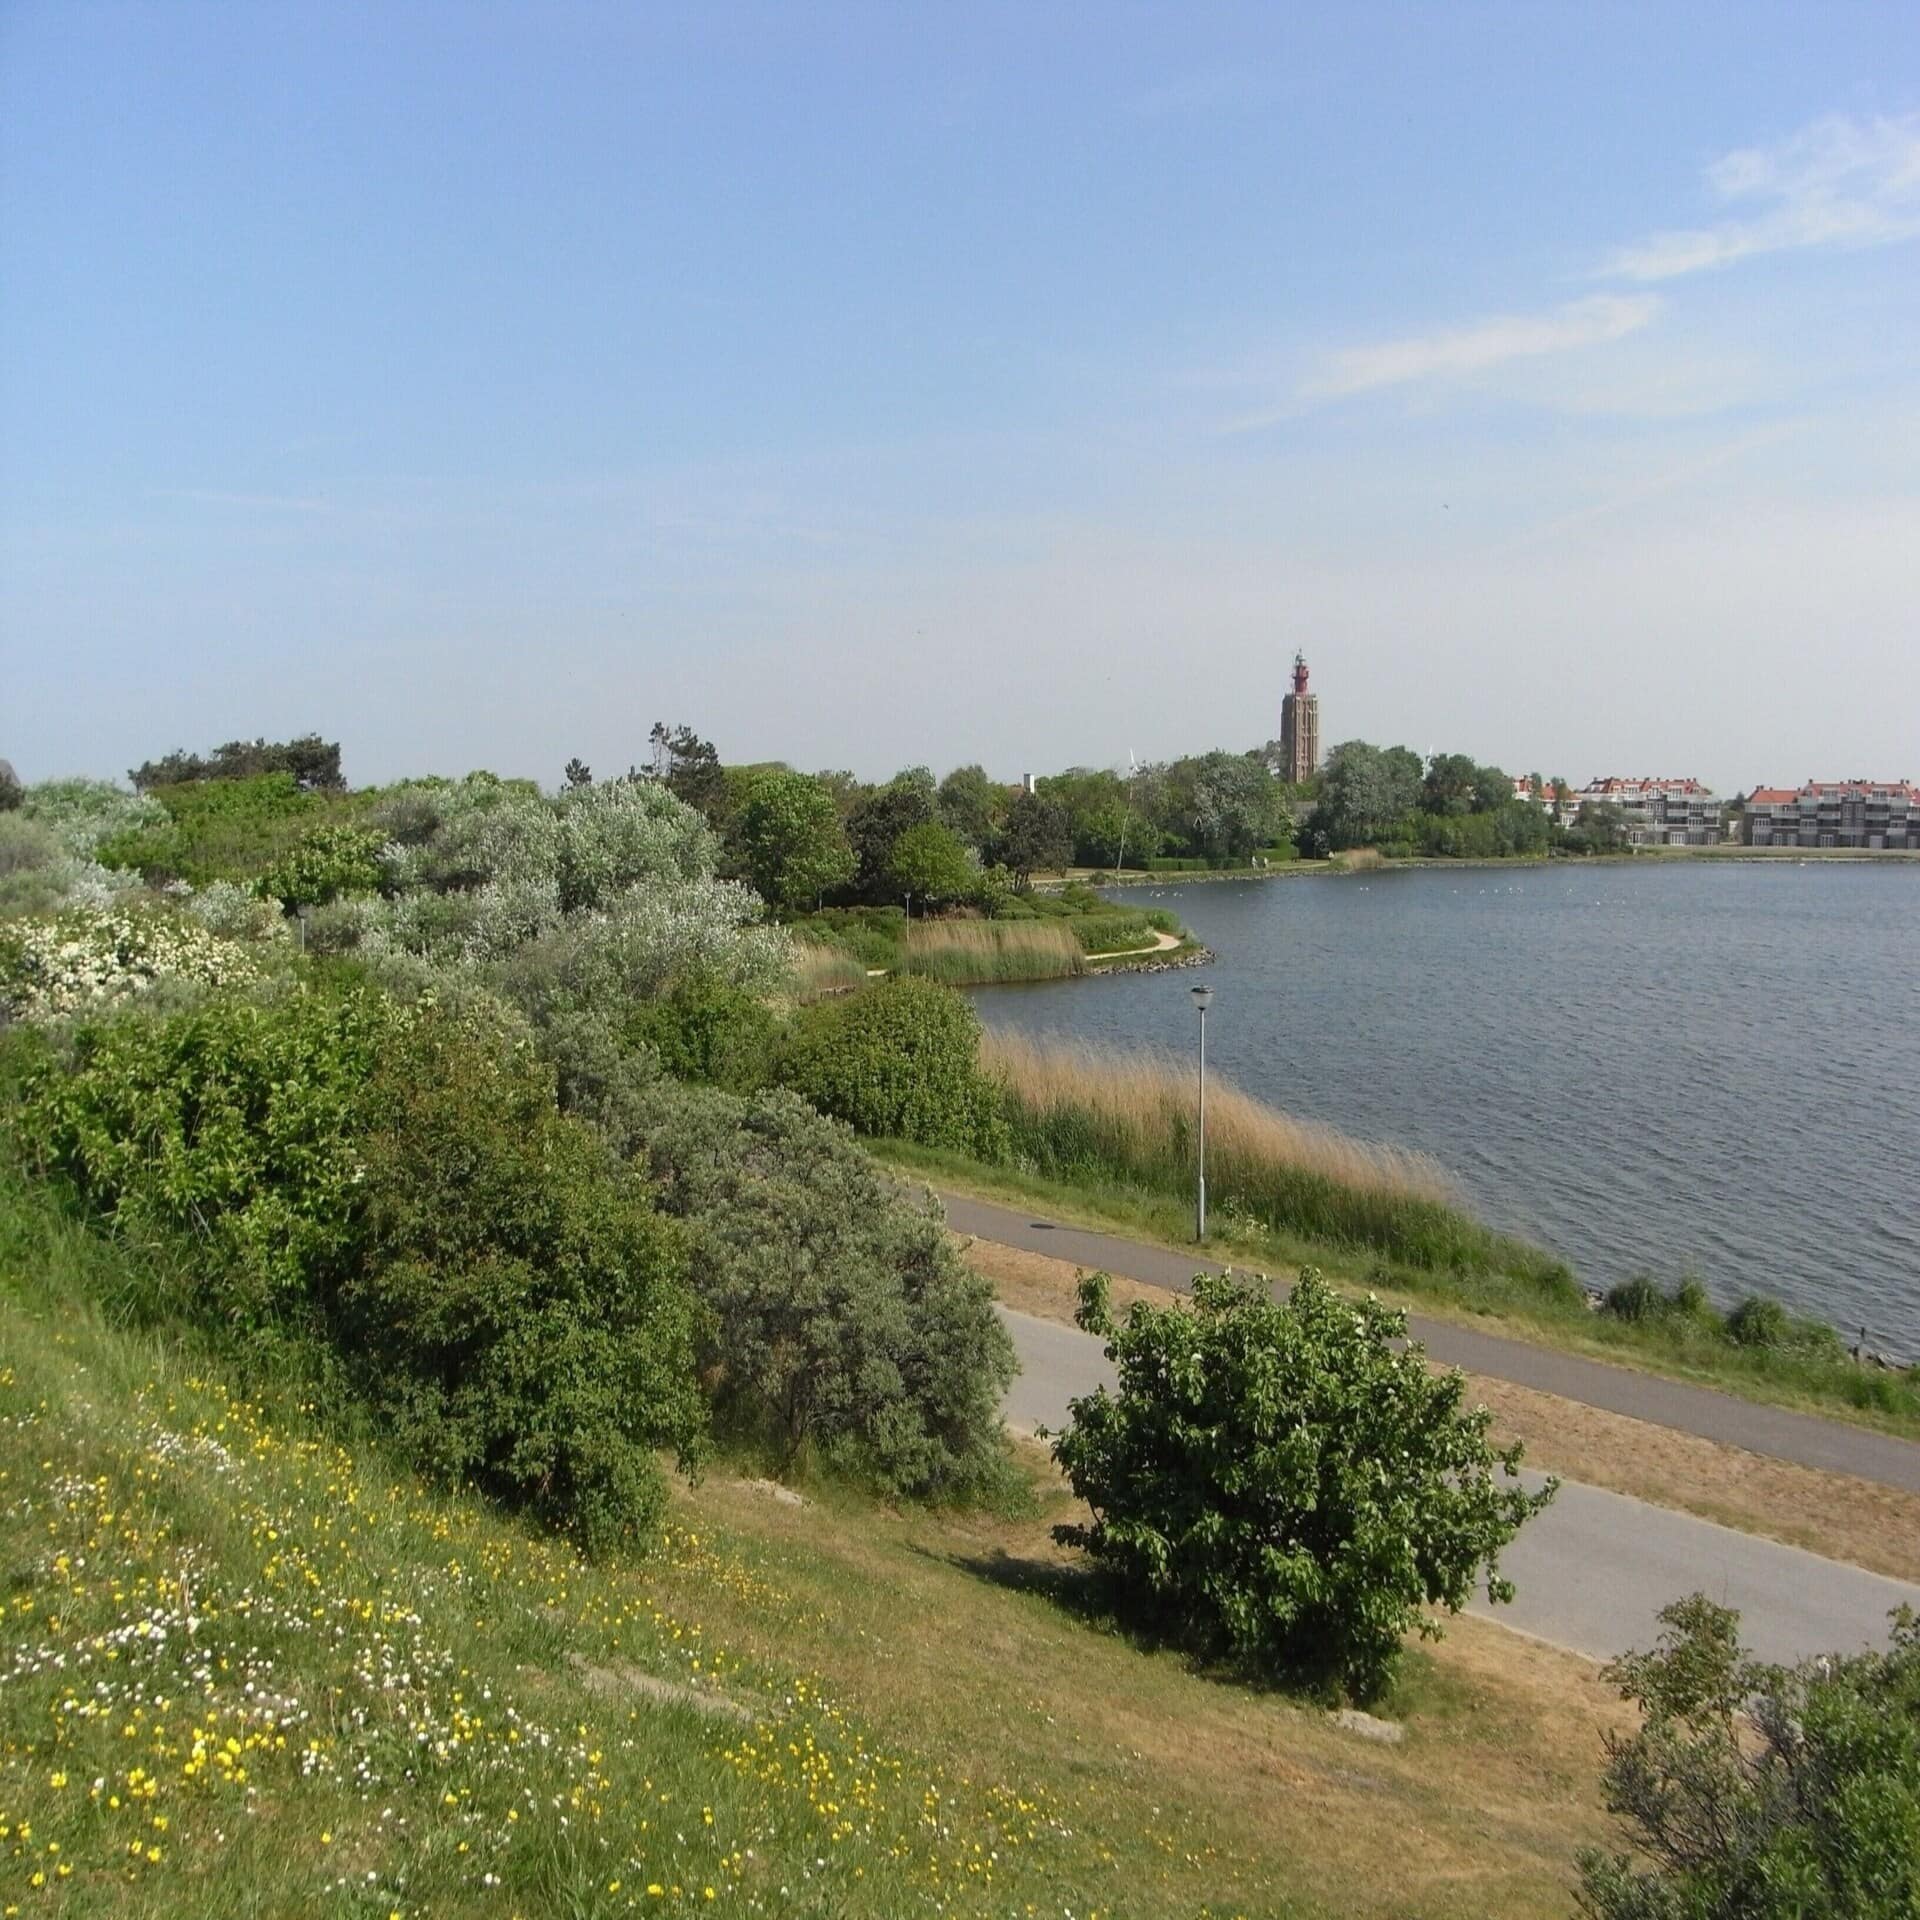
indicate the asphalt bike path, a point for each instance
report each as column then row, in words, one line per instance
column 1774, row 1431
column 1593, row 1571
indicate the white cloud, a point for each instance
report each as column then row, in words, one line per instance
column 1487, row 343
column 1838, row 182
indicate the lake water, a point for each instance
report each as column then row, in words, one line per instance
column 1705, row 1068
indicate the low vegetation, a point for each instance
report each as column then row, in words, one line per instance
column 379, row 1698
column 983, row 952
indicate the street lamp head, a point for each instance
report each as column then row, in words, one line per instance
column 1202, row 997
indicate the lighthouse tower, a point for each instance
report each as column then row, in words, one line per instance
column 1299, row 728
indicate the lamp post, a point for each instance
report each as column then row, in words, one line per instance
column 1202, row 999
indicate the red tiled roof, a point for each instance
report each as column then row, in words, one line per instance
column 1814, row 789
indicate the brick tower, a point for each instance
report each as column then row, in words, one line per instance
column 1299, row 728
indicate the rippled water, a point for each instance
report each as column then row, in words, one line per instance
column 1707, row 1068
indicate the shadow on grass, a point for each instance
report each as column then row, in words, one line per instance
column 1092, row 1599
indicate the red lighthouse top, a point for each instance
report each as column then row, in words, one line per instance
column 1299, row 673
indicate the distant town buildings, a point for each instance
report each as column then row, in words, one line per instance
column 1658, row 812
column 1299, row 728
column 1870, row 814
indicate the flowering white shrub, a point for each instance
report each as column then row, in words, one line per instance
column 85, row 812
column 234, row 912
column 86, row 960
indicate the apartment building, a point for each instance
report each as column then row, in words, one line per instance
column 1659, row 812
column 1869, row 814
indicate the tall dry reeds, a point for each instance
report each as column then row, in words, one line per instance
column 1079, row 1113
column 818, row 970
column 969, row 953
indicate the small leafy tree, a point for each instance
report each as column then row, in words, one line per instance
column 710, row 1031
column 930, row 863
column 791, row 841
column 578, row 773
column 1277, row 1484
column 11, row 791
column 1758, row 1792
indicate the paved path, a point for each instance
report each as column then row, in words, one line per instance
column 1773, row 1431
column 1595, row 1568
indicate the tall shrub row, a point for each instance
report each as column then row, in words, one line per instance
column 392, row 1195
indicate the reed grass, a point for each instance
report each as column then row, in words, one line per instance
column 1079, row 1112
column 819, row 970
column 971, row 953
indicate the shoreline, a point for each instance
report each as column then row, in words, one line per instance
column 1639, row 856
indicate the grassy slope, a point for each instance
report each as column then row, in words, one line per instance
column 247, row 1672
column 1491, row 1301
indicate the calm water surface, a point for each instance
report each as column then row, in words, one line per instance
column 1668, row 1069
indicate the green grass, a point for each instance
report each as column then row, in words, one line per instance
column 1502, row 1302
column 248, row 1670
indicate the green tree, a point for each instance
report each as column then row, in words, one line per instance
column 792, row 844
column 973, row 805
column 930, row 863
column 1222, row 806
column 578, row 773
column 709, row 1031
column 840, row 1317
column 1036, row 839
column 1756, row 1792
column 690, row 769
column 1282, row 1485
column 12, row 793
column 313, row 763
column 1600, row 827
column 877, row 820
column 1367, row 794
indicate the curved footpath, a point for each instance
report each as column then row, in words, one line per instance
column 1593, row 1571
column 1774, row 1431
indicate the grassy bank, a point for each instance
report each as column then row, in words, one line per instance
column 250, row 1671
column 1507, row 1302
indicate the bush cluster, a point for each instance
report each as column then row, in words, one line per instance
column 840, row 1319
column 1280, row 1485
column 1756, row 1323
column 322, row 865
column 899, row 1060
column 1761, row 1792
column 394, row 1193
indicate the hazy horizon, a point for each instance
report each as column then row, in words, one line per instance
column 868, row 388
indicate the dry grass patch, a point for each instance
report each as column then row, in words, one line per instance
column 1833, row 1514
column 955, row 1626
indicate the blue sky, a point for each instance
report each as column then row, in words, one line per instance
column 869, row 385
